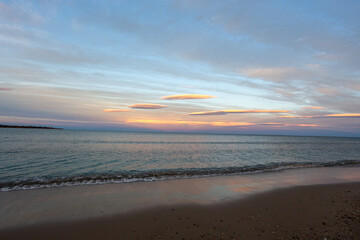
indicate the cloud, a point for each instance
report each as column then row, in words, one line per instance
column 339, row 115
column 214, row 124
column 312, row 59
column 274, row 74
column 313, row 107
column 5, row 89
column 303, row 125
column 187, row 96
column 343, row 115
column 147, row 106
column 223, row 112
column 180, row 122
column 287, row 124
column 20, row 13
column 327, row 91
column 296, row 116
column 117, row 110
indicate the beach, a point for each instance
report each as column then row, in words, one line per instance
column 140, row 120
column 115, row 185
column 312, row 203
column 311, row 212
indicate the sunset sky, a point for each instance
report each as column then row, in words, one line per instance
column 262, row 67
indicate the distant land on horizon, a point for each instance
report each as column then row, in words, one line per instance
column 36, row 127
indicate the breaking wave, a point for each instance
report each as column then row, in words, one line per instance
column 156, row 175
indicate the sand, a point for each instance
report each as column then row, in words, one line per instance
column 328, row 211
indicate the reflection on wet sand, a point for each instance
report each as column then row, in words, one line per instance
column 64, row 203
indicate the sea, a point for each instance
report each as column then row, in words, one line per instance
column 42, row 158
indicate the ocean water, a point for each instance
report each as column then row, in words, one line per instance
column 37, row 158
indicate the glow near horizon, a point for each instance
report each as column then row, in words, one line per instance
column 233, row 67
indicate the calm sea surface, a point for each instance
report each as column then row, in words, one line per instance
column 35, row 158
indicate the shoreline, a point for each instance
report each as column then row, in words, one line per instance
column 74, row 203
column 325, row 211
column 39, row 183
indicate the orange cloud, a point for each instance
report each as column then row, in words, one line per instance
column 223, row 112
column 303, row 125
column 179, row 122
column 214, row 124
column 272, row 123
column 288, row 117
column 187, row 96
column 117, row 110
column 343, row 115
column 339, row 115
column 147, row 106
column 313, row 107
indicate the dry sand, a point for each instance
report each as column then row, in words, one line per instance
column 307, row 212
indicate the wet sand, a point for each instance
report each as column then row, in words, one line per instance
column 328, row 211
column 313, row 203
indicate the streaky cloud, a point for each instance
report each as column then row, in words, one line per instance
column 343, row 115
column 289, row 117
column 192, row 123
column 303, row 125
column 147, row 106
column 5, row 89
column 15, row 14
column 223, row 112
column 276, row 74
column 208, row 113
column 213, row 124
column 187, row 96
column 298, row 116
column 313, row 107
column 335, row 115
column 289, row 124
column 117, row 110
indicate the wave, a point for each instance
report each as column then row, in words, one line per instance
column 157, row 175
column 297, row 142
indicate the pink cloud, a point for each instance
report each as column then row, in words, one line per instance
column 296, row 116
column 147, row 106
column 223, row 112
column 193, row 123
column 313, row 107
column 336, row 115
column 117, row 110
column 187, row 96
column 343, row 115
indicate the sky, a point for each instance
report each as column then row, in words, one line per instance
column 251, row 67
